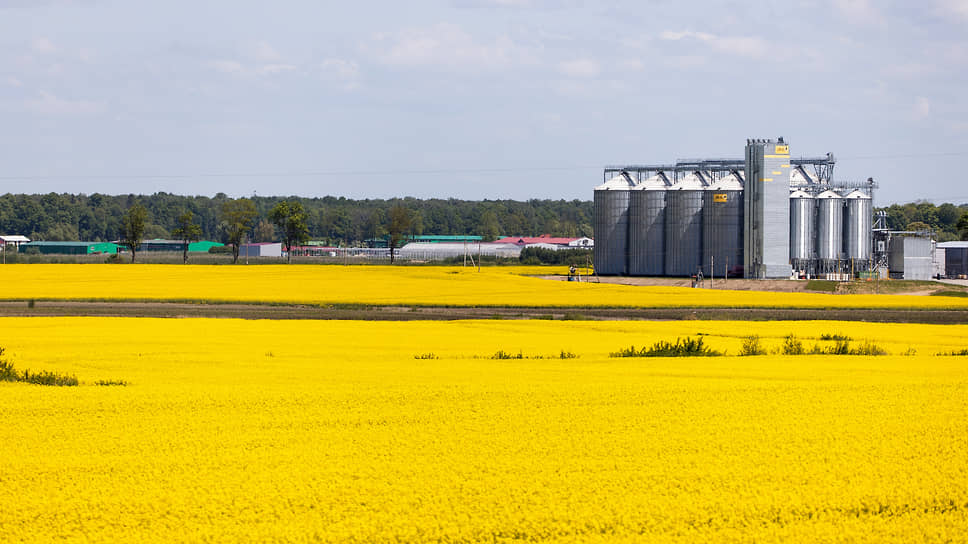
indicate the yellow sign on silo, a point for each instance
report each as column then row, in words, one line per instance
column 782, row 149
column 719, row 197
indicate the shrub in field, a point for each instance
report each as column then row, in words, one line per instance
column 752, row 346
column 426, row 356
column 842, row 347
column 963, row 352
column 687, row 347
column 567, row 355
column 10, row 374
column 792, row 346
column 48, row 378
column 831, row 337
column 111, row 382
column 868, row 348
column 501, row 354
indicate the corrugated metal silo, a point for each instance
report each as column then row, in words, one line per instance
column 611, row 223
column 857, row 225
column 803, row 216
column 647, row 227
column 722, row 227
column 683, row 228
column 830, row 225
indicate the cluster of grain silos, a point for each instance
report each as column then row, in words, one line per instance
column 730, row 217
column 830, row 232
column 663, row 227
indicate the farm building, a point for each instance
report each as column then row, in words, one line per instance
column 435, row 251
column 177, row 245
column 71, row 248
column 444, row 238
column 955, row 259
column 264, row 249
column 548, row 242
column 15, row 240
column 909, row 258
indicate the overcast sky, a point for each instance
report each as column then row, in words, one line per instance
column 471, row 98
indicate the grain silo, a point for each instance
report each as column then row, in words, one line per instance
column 857, row 226
column 803, row 235
column 611, row 224
column 830, row 226
column 647, row 226
column 722, row 227
column 683, row 226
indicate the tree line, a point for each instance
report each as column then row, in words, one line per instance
column 949, row 222
column 333, row 220
column 348, row 222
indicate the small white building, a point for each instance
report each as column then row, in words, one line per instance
column 13, row 240
column 263, row 249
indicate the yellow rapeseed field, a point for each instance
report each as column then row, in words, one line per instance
column 386, row 285
column 292, row 431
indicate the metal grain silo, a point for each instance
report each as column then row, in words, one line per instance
column 830, row 225
column 611, row 223
column 647, row 227
column 857, row 226
column 803, row 216
column 722, row 227
column 683, row 226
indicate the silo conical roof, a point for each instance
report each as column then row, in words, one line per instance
column 829, row 194
column 798, row 176
column 691, row 182
column 621, row 182
column 800, row 194
column 857, row 193
column 732, row 182
column 658, row 182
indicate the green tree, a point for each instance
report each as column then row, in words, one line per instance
column 237, row 218
column 490, row 229
column 962, row 226
column 264, row 231
column 133, row 228
column 291, row 220
column 401, row 220
column 187, row 231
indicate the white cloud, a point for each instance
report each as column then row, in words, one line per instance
column 859, row 11
column 957, row 8
column 43, row 46
column 49, row 104
column 922, row 107
column 343, row 72
column 743, row 46
column 450, row 46
column 580, row 68
column 13, row 82
column 265, row 53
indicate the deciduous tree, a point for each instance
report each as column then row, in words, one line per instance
column 400, row 221
column 237, row 218
column 291, row 220
column 133, row 228
column 187, row 231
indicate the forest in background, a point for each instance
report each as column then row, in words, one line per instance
column 348, row 222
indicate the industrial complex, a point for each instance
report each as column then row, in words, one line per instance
column 767, row 215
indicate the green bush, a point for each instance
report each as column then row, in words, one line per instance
column 540, row 255
column 792, row 346
column 752, row 346
column 10, row 374
column 501, row 354
column 687, row 347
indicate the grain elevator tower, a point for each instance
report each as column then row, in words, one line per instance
column 766, row 220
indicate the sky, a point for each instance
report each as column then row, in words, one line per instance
column 471, row 99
